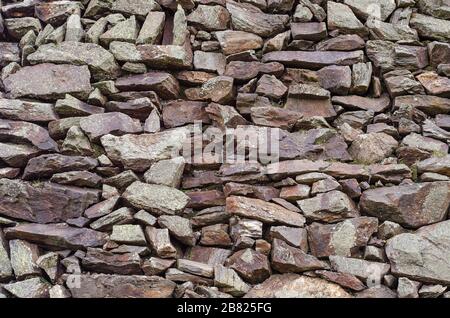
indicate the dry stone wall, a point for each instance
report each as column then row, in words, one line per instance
column 109, row 110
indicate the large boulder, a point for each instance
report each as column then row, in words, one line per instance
column 412, row 205
column 424, row 255
column 101, row 62
column 49, row 81
column 44, row 202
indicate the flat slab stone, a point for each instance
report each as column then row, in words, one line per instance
column 121, row 286
column 58, row 235
column 45, row 202
column 314, row 60
column 49, row 81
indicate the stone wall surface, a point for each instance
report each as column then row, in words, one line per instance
column 109, row 110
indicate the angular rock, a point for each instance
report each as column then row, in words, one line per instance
column 218, row 89
column 44, row 203
column 180, row 112
column 159, row 240
column 57, row 235
column 412, row 205
column 263, row 211
column 253, row 266
column 209, row 18
column 328, row 207
column 100, row 261
column 370, row 272
column 49, row 81
column 139, row 152
column 233, row 42
column 421, row 256
column 128, row 234
column 16, row 109
column 229, row 282
column 158, row 199
column 344, row 238
column 179, row 227
column 30, row 288
column 372, row 148
column 122, row 286
column 47, row 165
column 101, row 63
column 288, row 259
column 296, row 286
column 114, row 123
column 248, row 18
column 314, row 60
column 164, row 84
column 430, row 27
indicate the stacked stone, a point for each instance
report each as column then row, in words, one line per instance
column 99, row 98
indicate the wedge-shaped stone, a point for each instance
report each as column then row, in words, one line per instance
column 16, row 109
column 101, row 63
column 370, row 272
column 329, row 207
column 344, row 238
column 165, row 56
column 6, row 271
column 209, row 17
column 27, row 133
column 263, row 211
column 58, row 235
column 159, row 240
column 164, row 84
column 179, row 227
column 246, row 17
column 422, row 256
column 114, row 123
column 412, row 205
column 341, row 17
column 229, row 281
column 100, row 261
column 431, row 28
column 49, row 81
column 439, row 165
column 296, row 286
column 138, row 152
column 314, row 59
column 158, row 199
column 47, row 165
column 233, row 42
column 45, row 202
column 431, row 105
column 380, row 9
column 23, row 258
column 36, row 287
column 122, row 286
column 288, row 259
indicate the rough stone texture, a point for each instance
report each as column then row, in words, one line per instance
column 296, row 286
column 422, row 256
column 412, row 205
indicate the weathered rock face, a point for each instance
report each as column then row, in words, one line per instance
column 412, row 205
column 263, row 211
column 158, row 199
column 48, row 81
column 199, row 149
column 138, row 152
column 44, row 203
column 422, row 256
column 100, row 61
column 57, row 235
column 296, row 286
column 344, row 238
column 121, row 286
